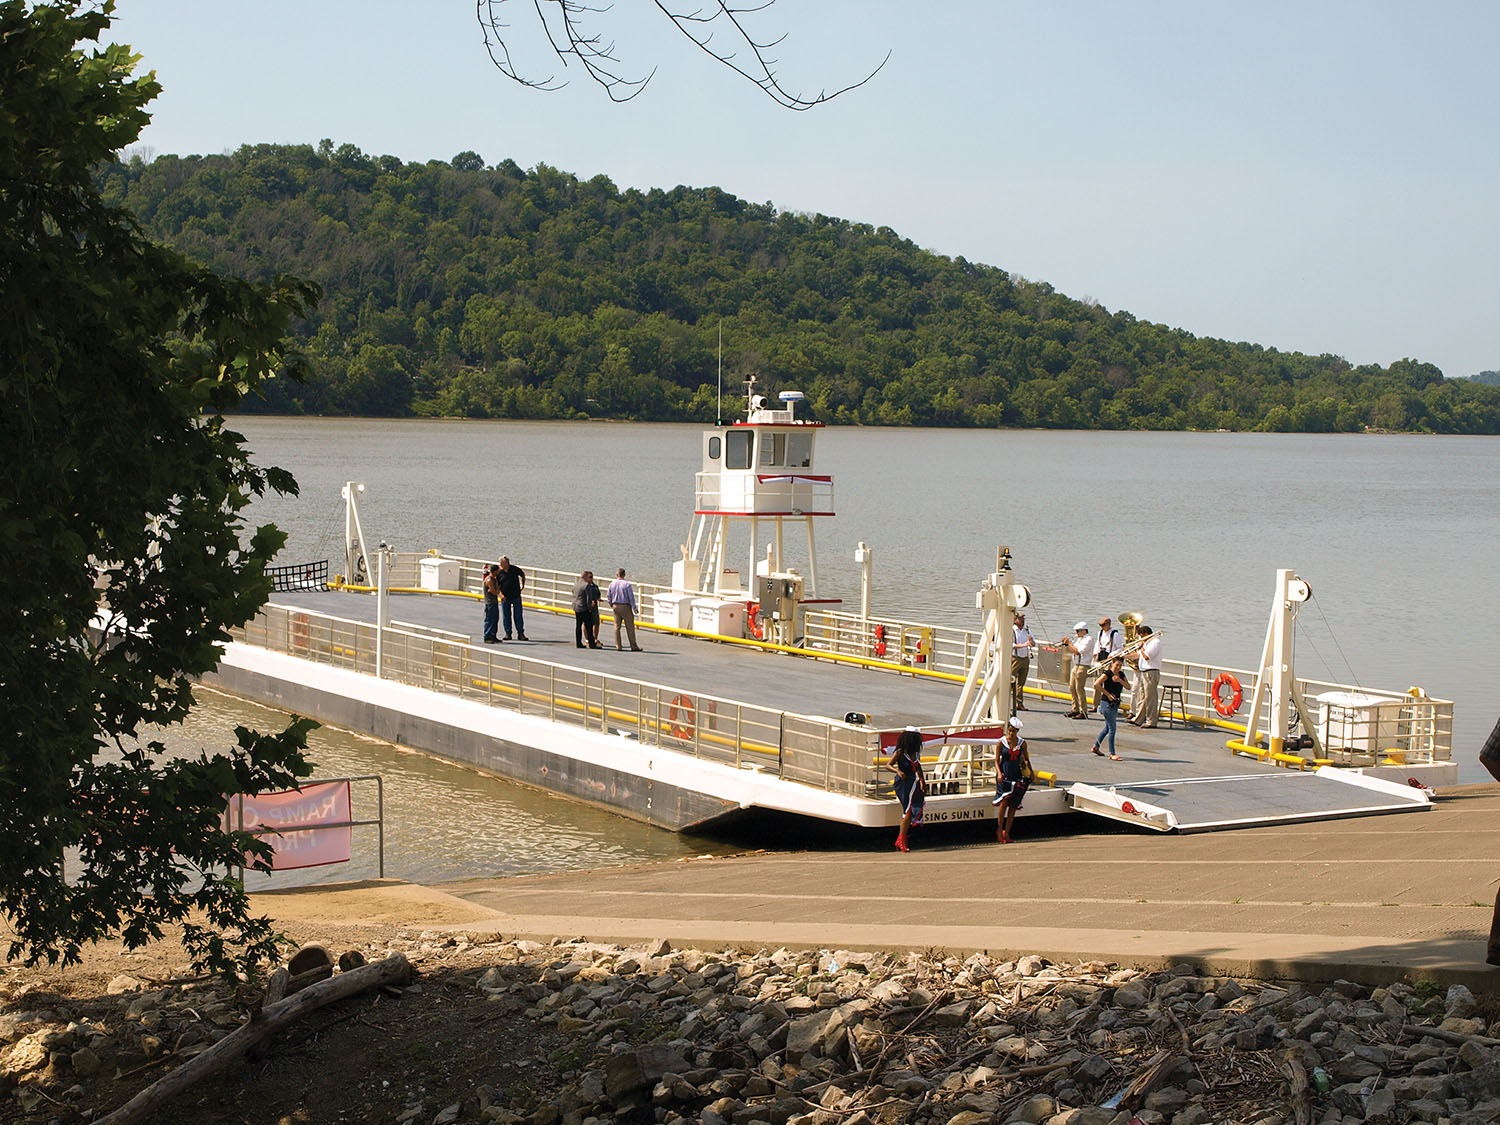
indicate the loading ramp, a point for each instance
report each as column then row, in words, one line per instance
column 1247, row 800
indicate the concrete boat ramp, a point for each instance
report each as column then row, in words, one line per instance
column 1369, row 900
column 1174, row 778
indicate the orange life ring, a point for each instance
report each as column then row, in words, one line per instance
column 682, row 707
column 1236, row 697
column 752, row 620
column 878, row 648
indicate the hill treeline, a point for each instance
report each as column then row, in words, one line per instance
column 457, row 289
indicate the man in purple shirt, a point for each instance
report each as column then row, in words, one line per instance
column 622, row 601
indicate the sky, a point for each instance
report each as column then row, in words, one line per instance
column 1315, row 177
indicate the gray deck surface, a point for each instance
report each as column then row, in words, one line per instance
column 1186, row 769
column 1260, row 796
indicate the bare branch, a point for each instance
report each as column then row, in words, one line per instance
column 566, row 24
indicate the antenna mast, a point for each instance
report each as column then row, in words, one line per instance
column 719, row 409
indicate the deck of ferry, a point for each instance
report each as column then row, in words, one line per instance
column 1185, row 767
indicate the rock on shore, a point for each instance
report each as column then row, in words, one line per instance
column 838, row 1037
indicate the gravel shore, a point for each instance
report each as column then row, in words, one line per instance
column 579, row 1033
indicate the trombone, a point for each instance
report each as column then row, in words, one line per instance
column 1130, row 651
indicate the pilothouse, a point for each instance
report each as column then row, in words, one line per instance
column 757, row 483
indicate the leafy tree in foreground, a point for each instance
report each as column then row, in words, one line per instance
column 117, row 358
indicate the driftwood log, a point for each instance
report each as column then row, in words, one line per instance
column 1147, row 1079
column 1301, row 1095
column 263, row 1023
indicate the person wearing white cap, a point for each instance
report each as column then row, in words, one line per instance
column 1083, row 655
column 1013, row 776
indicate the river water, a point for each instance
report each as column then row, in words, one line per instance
column 1397, row 535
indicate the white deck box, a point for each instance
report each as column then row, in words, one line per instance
column 723, row 619
column 438, row 574
column 1357, row 723
column 672, row 611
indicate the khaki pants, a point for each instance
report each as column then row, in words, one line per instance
column 624, row 615
column 1146, row 698
column 1078, row 684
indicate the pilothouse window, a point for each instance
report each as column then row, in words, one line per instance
column 737, row 449
column 799, row 451
column 772, row 450
column 713, row 448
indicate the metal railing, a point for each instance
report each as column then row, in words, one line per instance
column 769, row 490
column 1422, row 731
column 838, row 757
column 237, row 804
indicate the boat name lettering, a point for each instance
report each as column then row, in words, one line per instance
column 935, row 816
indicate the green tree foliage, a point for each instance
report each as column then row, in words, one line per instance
column 117, row 357
column 455, row 289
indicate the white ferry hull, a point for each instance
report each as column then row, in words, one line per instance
column 659, row 786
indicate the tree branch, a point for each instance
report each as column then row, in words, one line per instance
column 569, row 34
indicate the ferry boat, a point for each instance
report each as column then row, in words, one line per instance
column 756, row 693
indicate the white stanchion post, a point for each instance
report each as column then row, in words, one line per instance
column 382, row 611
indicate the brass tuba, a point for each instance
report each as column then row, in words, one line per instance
column 1128, row 622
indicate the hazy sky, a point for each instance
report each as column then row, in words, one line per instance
column 1319, row 177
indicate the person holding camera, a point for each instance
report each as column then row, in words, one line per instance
column 1082, row 647
column 586, row 611
column 491, row 587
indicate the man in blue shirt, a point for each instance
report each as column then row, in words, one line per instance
column 623, row 603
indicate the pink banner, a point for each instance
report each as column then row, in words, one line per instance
column 296, row 823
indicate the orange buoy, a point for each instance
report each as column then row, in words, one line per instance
column 1227, row 706
column 681, row 718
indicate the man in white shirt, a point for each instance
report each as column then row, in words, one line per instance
column 1148, row 665
column 1083, row 655
column 1020, row 662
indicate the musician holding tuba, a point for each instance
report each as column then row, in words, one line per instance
column 1129, row 622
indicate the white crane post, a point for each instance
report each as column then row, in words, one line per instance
column 354, row 536
column 1277, row 669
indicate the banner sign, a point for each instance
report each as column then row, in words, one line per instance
column 307, row 827
column 936, row 739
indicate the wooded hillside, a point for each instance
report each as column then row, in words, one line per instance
column 456, row 289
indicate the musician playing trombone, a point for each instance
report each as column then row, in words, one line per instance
column 1148, row 678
